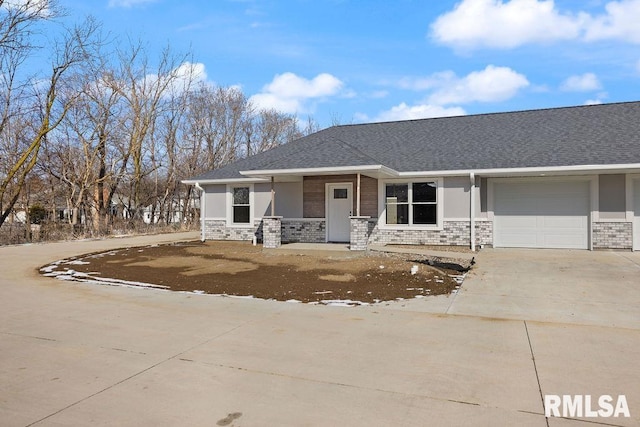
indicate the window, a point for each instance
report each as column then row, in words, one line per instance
column 412, row 203
column 241, row 207
column 424, row 203
column 397, row 197
column 340, row 193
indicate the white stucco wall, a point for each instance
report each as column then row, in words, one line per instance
column 612, row 195
column 215, row 201
column 456, row 197
column 288, row 199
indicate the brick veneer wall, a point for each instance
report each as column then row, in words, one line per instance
column 218, row 230
column 314, row 231
column 358, row 233
column 272, row 232
column 299, row 230
column 612, row 235
column 454, row 233
column 484, row 232
column 313, row 198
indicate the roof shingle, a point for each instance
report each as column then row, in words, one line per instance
column 571, row 136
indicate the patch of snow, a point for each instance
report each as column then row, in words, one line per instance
column 381, row 267
column 322, row 292
column 77, row 262
column 459, row 278
column 197, row 291
column 293, row 301
column 343, row 302
column 240, row 296
column 414, row 269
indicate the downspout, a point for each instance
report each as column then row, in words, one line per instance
column 202, row 210
column 358, row 195
column 472, row 210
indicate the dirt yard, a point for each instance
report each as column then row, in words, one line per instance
column 240, row 269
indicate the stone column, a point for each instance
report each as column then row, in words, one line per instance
column 359, row 232
column 271, row 232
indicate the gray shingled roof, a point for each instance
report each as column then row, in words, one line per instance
column 573, row 136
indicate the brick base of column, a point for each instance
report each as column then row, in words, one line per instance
column 359, row 228
column 271, row 232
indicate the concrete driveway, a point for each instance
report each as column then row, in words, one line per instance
column 565, row 286
column 75, row 354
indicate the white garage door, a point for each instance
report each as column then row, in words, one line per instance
column 541, row 214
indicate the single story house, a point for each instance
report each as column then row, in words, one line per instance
column 551, row 178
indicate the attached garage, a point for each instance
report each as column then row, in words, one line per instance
column 539, row 213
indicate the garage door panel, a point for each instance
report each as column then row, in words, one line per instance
column 541, row 214
column 562, row 221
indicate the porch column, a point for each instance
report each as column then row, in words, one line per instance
column 271, row 232
column 359, row 233
column 273, row 198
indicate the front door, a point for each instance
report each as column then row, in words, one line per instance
column 339, row 206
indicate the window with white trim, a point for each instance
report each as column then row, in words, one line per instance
column 241, row 207
column 412, row 203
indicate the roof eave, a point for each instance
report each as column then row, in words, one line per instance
column 551, row 170
column 380, row 170
column 223, row 181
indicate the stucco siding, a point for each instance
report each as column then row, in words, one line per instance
column 215, row 201
column 612, row 196
column 289, row 199
column 456, row 201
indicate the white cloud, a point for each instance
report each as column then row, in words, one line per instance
column 511, row 23
column 592, row 102
column 429, row 82
column 499, row 24
column 583, row 83
column 421, row 111
column 620, row 22
column 489, row 85
column 182, row 78
column 128, row 3
column 39, row 8
column 188, row 73
column 289, row 93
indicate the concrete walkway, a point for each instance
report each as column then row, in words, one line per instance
column 74, row 354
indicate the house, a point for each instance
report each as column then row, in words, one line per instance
column 551, row 178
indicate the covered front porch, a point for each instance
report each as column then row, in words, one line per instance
column 339, row 205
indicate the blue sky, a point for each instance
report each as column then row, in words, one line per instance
column 361, row 61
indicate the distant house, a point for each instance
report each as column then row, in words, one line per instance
column 553, row 178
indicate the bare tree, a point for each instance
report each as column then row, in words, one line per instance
column 43, row 111
column 145, row 89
